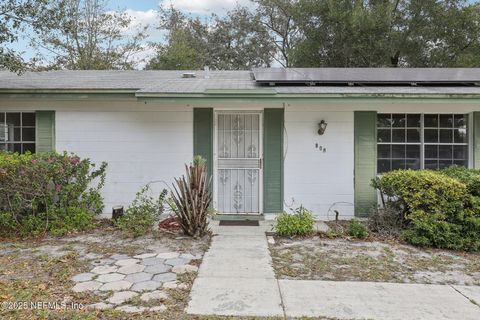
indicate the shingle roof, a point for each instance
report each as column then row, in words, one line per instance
column 172, row 82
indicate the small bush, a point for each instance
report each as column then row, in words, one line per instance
column 298, row 223
column 470, row 177
column 191, row 198
column 142, row 214
column 357, row 229
column 387, row 221
column 48, row 192
column 439, row 207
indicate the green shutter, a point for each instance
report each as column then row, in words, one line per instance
column 365, row 161
column 476, row 140
column 45, row 131
column 203, row 135
column 273, row 161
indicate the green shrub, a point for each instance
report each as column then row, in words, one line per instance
column 357, row 229
column 48, row 192
column 470, row 177
column 141, row 215
column 438, row 207
column 298, row 223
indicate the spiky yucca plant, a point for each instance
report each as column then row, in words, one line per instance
column 192, row 197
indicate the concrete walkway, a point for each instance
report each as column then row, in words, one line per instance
column 236, row 278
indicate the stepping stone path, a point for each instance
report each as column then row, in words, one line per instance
column 144, row 277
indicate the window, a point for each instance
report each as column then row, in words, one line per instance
column 17, row 131
column 421, row 141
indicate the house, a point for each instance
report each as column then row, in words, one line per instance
column 273, row 138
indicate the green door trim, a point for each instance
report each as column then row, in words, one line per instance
column 44, row 131
column 365, row 155
column 203, row 135
column 476, row 139
column 273, row 162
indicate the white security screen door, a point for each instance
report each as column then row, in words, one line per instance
column 238, row 163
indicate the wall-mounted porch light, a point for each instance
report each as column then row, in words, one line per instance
column 322, row 126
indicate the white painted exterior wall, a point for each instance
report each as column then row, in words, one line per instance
column 139, row 147
column 146, row 141
column 140, row 142
column 320, row 180
column 324, row 181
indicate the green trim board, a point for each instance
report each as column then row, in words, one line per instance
column 203, row 135
column 365, row 154
column 240, row 92
column 476, row 140
column 45, row 131
column 273, row 124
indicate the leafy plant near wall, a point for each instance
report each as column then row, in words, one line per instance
column 440, row 208
column 298, row 223
column 48, row 192
column 357, row 229
column 191, row 198
column 141, row 215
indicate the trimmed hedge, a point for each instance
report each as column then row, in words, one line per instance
column 48, row 192
column 440, row 208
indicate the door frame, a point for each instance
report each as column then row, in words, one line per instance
column 216, row 112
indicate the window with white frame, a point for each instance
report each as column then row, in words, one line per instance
column 17, row 131
column 421, row 141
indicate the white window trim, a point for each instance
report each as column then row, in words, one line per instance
column 422, row 136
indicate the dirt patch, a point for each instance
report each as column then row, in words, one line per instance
column 387, row 261
column 40, row 271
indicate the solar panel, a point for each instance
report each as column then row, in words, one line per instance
column 369, row 76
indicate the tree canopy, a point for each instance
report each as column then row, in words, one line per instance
column 83, row 34
column 236, row 41
column 17, row 16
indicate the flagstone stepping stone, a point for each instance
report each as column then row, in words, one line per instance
column 104, row 269
column 176, row 262
column 160, row 308
column 154, row 295
column 87, row 286
column 126, row 262
column 133, row 268
column 152, row 261
column 138, row 277
column 116, row 286
column 122, row 296
column 82, row 277
column 100, row 306
column 146, row 286
column 102, row 262
column 168, row 255
column 184, row 269
column 145, row 255
column 119, row 256
column 92, row 256
column 187, row 256
column 131, row 309
column 110, row 277
column 159, row 268
column 165, row 277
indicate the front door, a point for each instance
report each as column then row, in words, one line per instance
column 238, row 162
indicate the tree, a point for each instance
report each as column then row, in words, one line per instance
column 179, row 54
column 237, row 41
column 17, row 16
column 374, row 33
column 278, row 17
column 184, row 48
column 85, row 36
